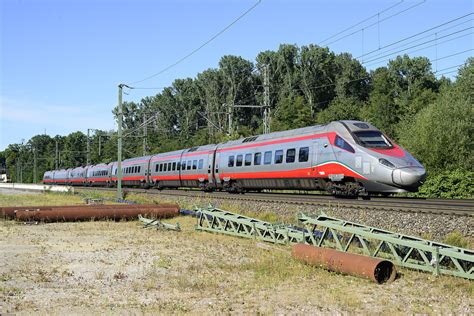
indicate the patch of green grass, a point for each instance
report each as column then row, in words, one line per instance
column 40, row 199
column 456, row 239
column 276, row 267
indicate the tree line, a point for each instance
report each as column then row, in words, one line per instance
column 432, row 118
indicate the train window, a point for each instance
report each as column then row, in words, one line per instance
column 161, row 167
column 231, row 161
column 341, row 143
column 290, row 155
column 169, row 166
column 165, row 168
column 189, row 165
column 183, row 165
column 174, row 166
column 238, row 163
column 139, row 169
column 248, row 159
column 303, row 154
column 178, row 165
column 279, row 156
column 257, row 159
column 201, row 163
column 267, row 158
column 157, row 167
column 195, row 164
column 372, row 139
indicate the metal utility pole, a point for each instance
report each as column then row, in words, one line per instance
column 229, row 116
column 88, row 162
column 34, row 166
column 265, row 106
column 57, row 155
column 266, row 100
column 119, row 140
column 17, row 169
column 145, row 135
column 100, row 143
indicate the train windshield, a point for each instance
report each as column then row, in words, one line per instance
column 372, row 139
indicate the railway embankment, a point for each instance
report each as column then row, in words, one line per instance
column 438, row 227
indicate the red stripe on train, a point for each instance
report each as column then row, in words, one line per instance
column 321, row 171
column 330, row 135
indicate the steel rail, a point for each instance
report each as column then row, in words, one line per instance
column 410, row 205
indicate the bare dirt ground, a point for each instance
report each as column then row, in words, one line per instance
column 121, row 268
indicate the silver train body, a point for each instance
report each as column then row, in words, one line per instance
column 342, row 157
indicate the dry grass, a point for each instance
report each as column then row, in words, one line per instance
column 118, row 267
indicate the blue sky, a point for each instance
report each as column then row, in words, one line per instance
column 61, row 60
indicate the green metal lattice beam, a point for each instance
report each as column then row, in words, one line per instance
column 406, row 251
column 224, row 222
column 324, row 231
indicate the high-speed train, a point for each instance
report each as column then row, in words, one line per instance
column 346, row 158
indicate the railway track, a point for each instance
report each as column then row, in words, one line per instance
column 412, row 205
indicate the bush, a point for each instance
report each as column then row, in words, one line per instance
column 449, row 184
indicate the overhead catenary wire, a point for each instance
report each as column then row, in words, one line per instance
column 382, row 52
column 423, row 43
column 361, row 22
column 420, row 49
column 375, row 23
column 420, row 33
column 456, row 66
column 201, row 46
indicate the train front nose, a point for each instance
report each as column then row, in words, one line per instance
column 409, row 176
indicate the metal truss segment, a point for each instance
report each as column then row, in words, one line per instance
column 407, row 251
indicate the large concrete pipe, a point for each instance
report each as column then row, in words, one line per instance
column 377, row 270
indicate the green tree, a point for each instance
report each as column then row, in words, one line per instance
column 341, row 108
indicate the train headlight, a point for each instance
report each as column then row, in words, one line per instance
column 386, row 163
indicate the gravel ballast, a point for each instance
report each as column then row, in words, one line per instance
column 429, row 226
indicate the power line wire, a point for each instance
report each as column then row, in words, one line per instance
column 359, row 23
column 415, row 41
column 437, row 59
column 378, row 22
column 457, row 66
column 201, row 46
column 426, row 42
column 425, row 31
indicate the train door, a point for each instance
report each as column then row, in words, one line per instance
column 210, row 160
column 216, row 164
column 315, row 150
column 148, row 166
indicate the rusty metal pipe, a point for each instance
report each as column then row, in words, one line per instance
column 9, row 212
column 377, row 270
column 88, row 213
